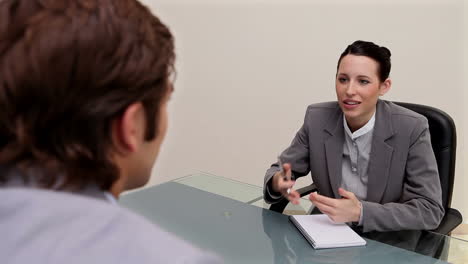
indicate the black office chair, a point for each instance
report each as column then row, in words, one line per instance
column 444, row 144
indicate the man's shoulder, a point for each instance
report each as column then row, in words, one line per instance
column 89, row 228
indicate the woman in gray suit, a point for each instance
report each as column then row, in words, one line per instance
column 371, row 160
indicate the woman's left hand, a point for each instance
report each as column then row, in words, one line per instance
column 346, row 209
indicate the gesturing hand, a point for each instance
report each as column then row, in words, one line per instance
column 346, row 209
column 282, row 182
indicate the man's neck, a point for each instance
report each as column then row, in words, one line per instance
column 117, row 188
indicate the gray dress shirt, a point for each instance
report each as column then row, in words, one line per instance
column 356, row 154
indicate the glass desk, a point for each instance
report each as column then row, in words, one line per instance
column 230, row 219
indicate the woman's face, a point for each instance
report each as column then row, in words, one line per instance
column 358, row 88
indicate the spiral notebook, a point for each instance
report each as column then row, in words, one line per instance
column 322, row 232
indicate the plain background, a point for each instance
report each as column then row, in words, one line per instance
column 246, row 71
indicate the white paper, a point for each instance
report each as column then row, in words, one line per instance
column 322, row 232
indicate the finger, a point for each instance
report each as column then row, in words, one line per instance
column 277, row 179
column 294, row 195
column 279, row 183
column 312, row 197
column 316, row 202
column 290, row 192
column 323, row 199
column 330, row 211
column 294, row 200
column 279, row 175
column 344, row 193
column 284, row 185
column 287, row 171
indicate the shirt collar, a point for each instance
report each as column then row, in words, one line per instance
column 362, row 131
column 110, row 198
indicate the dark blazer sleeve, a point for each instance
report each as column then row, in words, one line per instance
column 420, row 205
column 297, row 154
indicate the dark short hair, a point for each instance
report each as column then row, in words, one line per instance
column 369, row 49
column 68, row 68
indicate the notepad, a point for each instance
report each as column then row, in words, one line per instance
column 322, row 232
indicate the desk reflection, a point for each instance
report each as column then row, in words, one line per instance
column 288, row 246
column 422, row 242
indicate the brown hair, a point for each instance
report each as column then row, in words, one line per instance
column 67, row 69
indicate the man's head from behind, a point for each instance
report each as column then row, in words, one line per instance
column 83, row 91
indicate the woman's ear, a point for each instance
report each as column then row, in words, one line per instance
column 128, row 130
column 385, row 87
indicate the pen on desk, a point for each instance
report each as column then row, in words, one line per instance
column 284, row 173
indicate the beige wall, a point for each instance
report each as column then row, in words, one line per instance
column 461, row 196
column 248, row 69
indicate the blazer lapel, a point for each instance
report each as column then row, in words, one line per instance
column 334, row 150
column 381, row 154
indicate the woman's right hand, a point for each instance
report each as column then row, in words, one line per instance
column 282, row 182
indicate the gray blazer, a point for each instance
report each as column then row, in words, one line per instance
column 403, row 190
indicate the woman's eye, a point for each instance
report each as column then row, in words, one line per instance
column 364, row 82
column 342, row 80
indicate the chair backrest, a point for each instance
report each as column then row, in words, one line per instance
column 444, row 144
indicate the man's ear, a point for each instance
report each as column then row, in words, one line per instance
column 128, row 130
column 385, row 87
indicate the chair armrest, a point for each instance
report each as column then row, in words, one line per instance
column 452, row 219
column 307, row 190
column 279, row 206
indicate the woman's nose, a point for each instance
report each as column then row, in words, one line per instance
column 351, row 89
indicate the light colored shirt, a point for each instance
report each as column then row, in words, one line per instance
column 109, row 197
column 43, row 226
column 356, row 155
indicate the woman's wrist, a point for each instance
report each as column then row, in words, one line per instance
column 358, row 212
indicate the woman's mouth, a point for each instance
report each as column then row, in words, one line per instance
column 351, row 104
